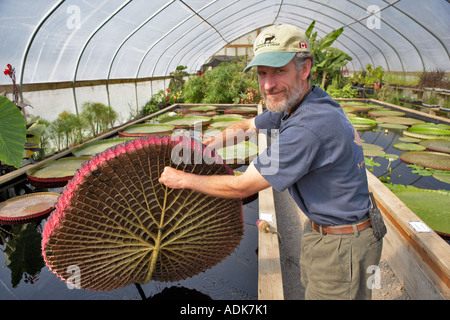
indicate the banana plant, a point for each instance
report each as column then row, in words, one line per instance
column 328, row 60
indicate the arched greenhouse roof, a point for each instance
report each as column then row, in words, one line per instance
column 59, row 41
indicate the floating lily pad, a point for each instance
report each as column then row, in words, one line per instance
column 399, row 120
column 241, row 110
column 362, row 123
column 443, row 176
column 428, row 159
column 239, row 154
column 55, row 173
column 408, row 146
column 432, row 206
column 427, row 132
column 372, row 150
column 26, row 208
column 385, row 113
column 120, row 226
column 437, row 145
column 94, row 147
column 141, row 130
column 393, row 126
column 227, row 117
column 222, row 124
column 189, row 122
column 201, row 109
column 357, row 107
column 409, row 139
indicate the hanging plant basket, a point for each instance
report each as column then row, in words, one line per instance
column 142, row 130
column 27, row 208
column 55, row 173
column 120, row 226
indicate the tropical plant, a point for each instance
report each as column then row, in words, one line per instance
column 328, row 60
column 12, row 133
column 99, row 117
column 225, row 83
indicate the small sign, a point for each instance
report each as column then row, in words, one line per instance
column 266, row 216
column 419, row 226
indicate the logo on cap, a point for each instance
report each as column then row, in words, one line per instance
column 303, row 45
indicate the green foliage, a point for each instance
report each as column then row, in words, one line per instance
column 345, row 92
column 226, row 83
column 328, row 60
column 99, row 117
column 12, row 133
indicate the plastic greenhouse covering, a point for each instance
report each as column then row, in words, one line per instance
column 50, row 41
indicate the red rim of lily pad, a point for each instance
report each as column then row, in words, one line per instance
column 56, row 180
column 27, row 208
column 120, row 226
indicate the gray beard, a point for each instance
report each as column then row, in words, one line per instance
column 288, row 102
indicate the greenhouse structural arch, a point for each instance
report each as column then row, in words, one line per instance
column 121, row 52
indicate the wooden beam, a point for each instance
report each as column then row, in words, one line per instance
column 270, row 282
column 420, row 260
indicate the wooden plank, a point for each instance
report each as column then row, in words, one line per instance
column 270, row 282
column 420, row 260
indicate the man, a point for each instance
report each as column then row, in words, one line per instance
column 317, row 156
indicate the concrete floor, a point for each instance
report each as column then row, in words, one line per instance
column 290, row 220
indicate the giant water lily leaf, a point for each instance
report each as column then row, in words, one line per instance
column 140, row 130
column 241, row 110
column 385, row 113
column 437, row 145
column 372, row 150
column 398, row 120
column 362, row 123
column 27, row 207
column 239, row 154
column 94, row 147
column 12, row 133
column 408, row 146
column 188, row 122
column 428, row 159
column 55, row 173
column 432, row 206
column 120, row 226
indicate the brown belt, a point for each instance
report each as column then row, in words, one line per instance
column 347, row 229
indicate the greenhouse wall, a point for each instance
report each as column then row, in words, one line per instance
column 48, row 103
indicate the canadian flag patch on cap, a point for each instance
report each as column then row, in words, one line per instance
column 303, row 45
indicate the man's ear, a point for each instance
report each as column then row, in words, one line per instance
column 306, row 69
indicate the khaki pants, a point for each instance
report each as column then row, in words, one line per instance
column 338, row 266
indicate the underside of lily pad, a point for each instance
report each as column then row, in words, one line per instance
column 120, row 226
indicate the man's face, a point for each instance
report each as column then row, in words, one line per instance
column 280, row 87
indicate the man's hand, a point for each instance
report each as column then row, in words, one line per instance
column 173, row 178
